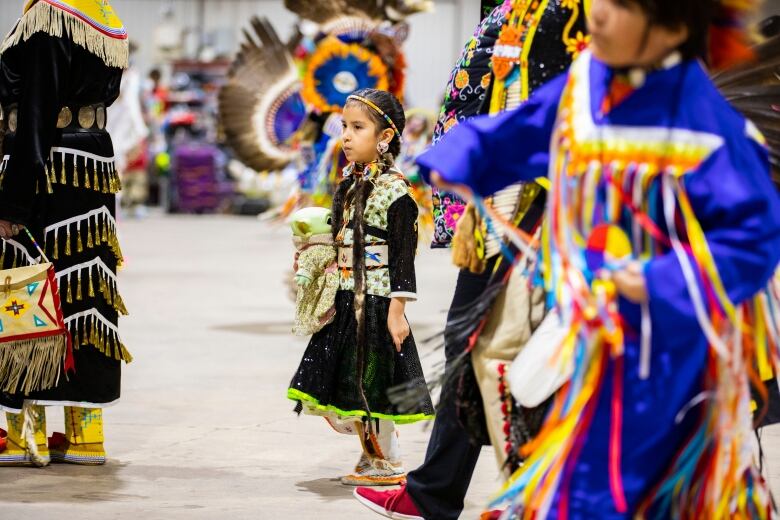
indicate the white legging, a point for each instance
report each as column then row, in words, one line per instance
column 383, row 443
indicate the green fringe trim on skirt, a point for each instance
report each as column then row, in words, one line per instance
column 297, row 395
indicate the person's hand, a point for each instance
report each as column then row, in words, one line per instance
column 397, row 324
column 460, row 189
column 9, row 229
column 630, row 283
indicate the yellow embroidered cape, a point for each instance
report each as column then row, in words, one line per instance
column 92, row 24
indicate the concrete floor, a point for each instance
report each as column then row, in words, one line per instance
column 203, row 430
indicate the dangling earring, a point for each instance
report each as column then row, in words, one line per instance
column 382, row 147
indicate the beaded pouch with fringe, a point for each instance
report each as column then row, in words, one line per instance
column 34, row 341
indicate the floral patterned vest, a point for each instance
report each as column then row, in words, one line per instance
column 388, row 188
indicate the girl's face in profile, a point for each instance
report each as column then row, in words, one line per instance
column 622, row 35
column 359, row 135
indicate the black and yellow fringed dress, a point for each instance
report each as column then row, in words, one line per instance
column 60, row 68
column 346, row 373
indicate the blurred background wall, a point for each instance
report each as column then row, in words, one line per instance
column 434, row 43
column 184, row 163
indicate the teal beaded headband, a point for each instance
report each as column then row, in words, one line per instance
column 379, row 111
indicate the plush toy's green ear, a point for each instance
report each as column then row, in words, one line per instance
column 300, row 229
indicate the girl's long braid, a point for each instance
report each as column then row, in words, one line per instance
column 361, row 190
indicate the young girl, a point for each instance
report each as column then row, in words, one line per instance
column 350, row 365
column 663, row 225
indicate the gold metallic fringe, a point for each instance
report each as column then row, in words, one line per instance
column 2, row 257
column 103, row 178
column 31, row 365
column 89, row 331
column 3, row 164
column 105, row 285
column 104, row 234
column 43, row 17
column 13, row 255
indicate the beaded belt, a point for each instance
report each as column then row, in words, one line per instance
column 377, row 256
column 90, row 117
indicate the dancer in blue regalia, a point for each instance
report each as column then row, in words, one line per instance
column 662, row 240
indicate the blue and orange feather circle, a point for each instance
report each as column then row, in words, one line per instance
column 337, row 69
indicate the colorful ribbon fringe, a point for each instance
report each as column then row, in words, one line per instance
column 714, row 475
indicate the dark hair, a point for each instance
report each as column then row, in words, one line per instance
column 696, row 15
column 390, row 106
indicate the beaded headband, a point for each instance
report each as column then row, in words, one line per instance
column 378, row 111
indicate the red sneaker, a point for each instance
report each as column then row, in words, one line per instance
column 491, row 515
column 391, row 504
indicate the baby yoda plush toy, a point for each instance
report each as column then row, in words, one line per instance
column 316, row 270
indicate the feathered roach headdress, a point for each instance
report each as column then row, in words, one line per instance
column 260, row 105
column 325, row 11
column 275, row 88
column 359, row 46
